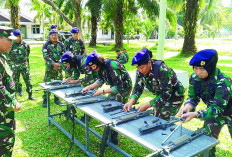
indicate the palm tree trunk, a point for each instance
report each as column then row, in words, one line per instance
column 190, row 25
column 93, row 30
column 119, row 25
column 14, row 15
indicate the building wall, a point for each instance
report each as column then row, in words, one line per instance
column 103, row 35
column 31, row 35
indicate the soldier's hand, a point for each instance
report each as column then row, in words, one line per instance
column 66, row 81
column 144, row 107
column 85, row 90
column 56, row 66
column 98, row 92
column 127, row 106
column 187, row 108
column 72, row 82
column 17, row 106
column 189, row 116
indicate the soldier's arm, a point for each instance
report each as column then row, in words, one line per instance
column 138, row 87
column 165, row 75
column 192, row 99
column 220, row 101
column 82, row 50
column 6, row 96
column 66, row 44
column 89, row 78
column 46, row 56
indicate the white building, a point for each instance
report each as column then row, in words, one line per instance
column 30, row 29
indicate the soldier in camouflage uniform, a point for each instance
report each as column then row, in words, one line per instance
column 52, row 53
column 161, row 81
column 121, row 57
column 61, row 37
column 77, row 64
column 74, row 45
column 214, row 88
column 126, row 54
column 8, row 102
column 19, row 62
column 112, row 73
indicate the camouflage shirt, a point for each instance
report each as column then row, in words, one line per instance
column 7, row 87
column 19, row 55
column 215, row 92
column 165, row 87
column 75, row 46
column 81, row 68
column 122, row 58
column 116, row 76
column 52, row 53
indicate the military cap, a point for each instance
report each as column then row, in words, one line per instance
column 52, row 32
column 67, row 57
column 7, row 32
column 92, row 58
column 205, row 58
column 141, row 57
column 53, row 26
column 17, row 32
column 75, row 30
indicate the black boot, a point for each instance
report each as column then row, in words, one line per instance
column 30, row 97
column 44, row 103
column 57, row 101
column 20, row 92
column 114, row 137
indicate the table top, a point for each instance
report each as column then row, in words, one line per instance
column 151, row 141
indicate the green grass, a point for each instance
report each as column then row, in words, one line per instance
column 35, row 138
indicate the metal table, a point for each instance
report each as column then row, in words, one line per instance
column 151, row 141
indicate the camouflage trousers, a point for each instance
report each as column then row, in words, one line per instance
column 214, row 126
column 170, row 108
column 52, row 74
column 25, row 72
column 7, row 135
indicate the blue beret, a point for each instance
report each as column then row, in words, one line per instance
column 141, row 57
column 92, row 58
column 17, row 32
column 202, row 57
column 52, row 31
column 75, row 30
column 53, row 26
column 67, row 57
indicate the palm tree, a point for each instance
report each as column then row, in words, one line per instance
column 14, row 13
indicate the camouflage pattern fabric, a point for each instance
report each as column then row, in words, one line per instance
column 7, row 103
column 19, row 62
column 81, row 68
column 75, row 46
column 52, row 53
column 216, row 93
column 127, row 57
column 168, row 90
column 118, row 78
column 122, row 58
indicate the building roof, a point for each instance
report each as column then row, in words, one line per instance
column 25, row 17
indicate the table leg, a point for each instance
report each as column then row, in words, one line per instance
column 48, row 106
column 205, row 153
column 87, row 131
column 104, row 140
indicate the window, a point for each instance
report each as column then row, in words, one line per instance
column 35, row 29
column 104, row 32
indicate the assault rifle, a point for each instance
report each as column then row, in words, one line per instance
column 78, row 93
column 54, row 82
column 154, row 125
column 93, row 100
column 128, row 117
column 112, row 107
column 177, row 143
column 82, row 97
column 59, row 87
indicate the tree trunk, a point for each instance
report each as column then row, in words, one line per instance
column 14, row 15
column 93, row 30
column 118, row 23
column 190, row 25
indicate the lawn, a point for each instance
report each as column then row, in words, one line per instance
column 35, row 138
